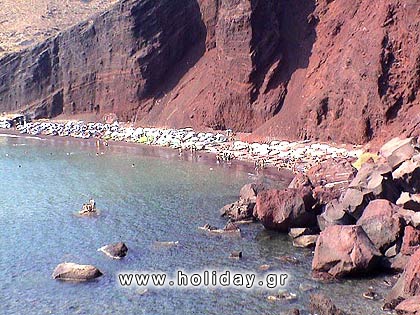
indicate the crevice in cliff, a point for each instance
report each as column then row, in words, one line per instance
column 393, row 110
column 387, row 59
column 171, row 44
column 283, row 37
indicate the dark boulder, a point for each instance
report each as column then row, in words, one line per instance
column 239, row 210
column 407, row 176
column 410, row 217
column 343, row 250
column 281, row 210
column 394, row 264
column 115, row 251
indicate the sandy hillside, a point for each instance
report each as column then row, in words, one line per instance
column 25, row 22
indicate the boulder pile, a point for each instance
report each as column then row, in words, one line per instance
column 368, row 218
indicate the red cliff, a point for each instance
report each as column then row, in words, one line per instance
column 331, row 70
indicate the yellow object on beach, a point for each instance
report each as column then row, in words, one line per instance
column 142, row 139
column 365, row 157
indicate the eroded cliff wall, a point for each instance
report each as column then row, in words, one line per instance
column 339, row 70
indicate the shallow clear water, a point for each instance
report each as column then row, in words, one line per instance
column 44, row 182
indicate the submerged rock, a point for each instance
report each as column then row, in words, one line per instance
column 305, row 241
column 343, row 250
column 322, row 305
column 236, row 255
column 115, row 251
column 76, row 272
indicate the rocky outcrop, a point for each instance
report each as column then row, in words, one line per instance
column 334, row 214
column 249, row 65
column 410, row 306
column 411, row 240
column 362, row 78
column 382, row 224
column 76, row 272
column 244, row 208
column 331, row 178
column 408, row 285
column 281, row 210
column 342, row 251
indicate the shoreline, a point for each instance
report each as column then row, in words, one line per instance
column 272, row 173
column 295, row 156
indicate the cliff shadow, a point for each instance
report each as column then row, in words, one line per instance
column 292, row 34
column 175, row 36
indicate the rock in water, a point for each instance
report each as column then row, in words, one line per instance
column 115, row 251
column 305, row 241
column 322, row 305
column 75, row 272
column 281, row 210
column 239, row 210
column 343, row 250
column 249, row 192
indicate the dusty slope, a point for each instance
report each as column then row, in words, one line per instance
column 24, row 23
column 338, row 70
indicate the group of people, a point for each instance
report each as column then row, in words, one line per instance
column 89, row 207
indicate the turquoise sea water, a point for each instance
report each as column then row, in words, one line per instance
column 144, row 196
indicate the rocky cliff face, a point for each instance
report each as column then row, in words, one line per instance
column 331, row 70
column 363, row 75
